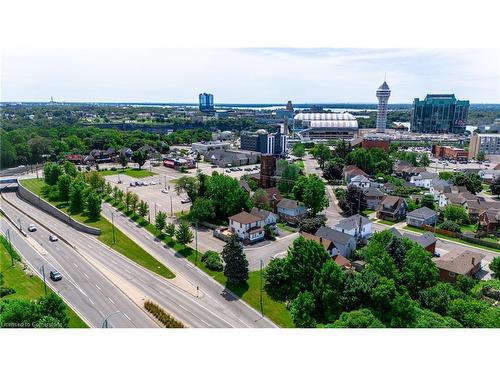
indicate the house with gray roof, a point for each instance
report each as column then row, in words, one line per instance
column 360, row 181
column 373, row 197
column 291, row 211
column 423, row 179
column 357, row 226
column 421, row 216
column 426, row 240
column 344, row 243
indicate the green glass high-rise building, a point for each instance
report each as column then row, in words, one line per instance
column 441, row 113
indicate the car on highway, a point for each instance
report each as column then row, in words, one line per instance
column 32, row 228
column 185, row 200
column 55, row 275
column 53, row 238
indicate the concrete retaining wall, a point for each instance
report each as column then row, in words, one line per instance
column 53, row 211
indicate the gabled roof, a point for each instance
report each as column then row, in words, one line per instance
column 461, row 263
column 273, row 192
column 334, row 235
column 244, row 185
column 422, row 213
column 424, row 240
column 373, row 192
column 360, row 178
column 322, row 241
column 352, row 222
column 391, row 203
column 426, row 176
column 244, row 218
column 341, row 261
column 289, row 203
column 259, row 212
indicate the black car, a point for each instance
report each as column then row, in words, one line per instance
column 55, row 275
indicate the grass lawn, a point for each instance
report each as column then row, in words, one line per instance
column 27, row 287
column 249, row 292
column 132, row 172
column 122, row 244
column 287, row 228
column 457, row 240
column 300, row 163
column 387, row 222
column 367, row 212
column 468, row 227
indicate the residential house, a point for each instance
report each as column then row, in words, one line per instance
column 424, row 179
column 404, row 169
column 267, row 217
column 373, row 197
column 326, row 243
column 344, row 243
column 427, row 240
column 392, row 208
column 351, row 171
column 360, row 181
column 250, row 228
column 388, row 187
column 421, row 216
column 273, row 198
column 291, row 211
column 476, row 207
column 357, row 226
column 489, row 175
column 458, row 199
column 452, row 264
column 76, row 159
column 244, row 185
column 489, row 220
column 438, row 187
column 342, row 262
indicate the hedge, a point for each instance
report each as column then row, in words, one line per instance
column 165, row 318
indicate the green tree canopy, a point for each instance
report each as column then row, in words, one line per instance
column 236, row 264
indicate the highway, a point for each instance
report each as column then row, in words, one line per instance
column 86, row 290
column 215, row 307
column 216, row 296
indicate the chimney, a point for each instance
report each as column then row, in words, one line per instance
column 473, row 261
column 297, row 203
column 321, row 240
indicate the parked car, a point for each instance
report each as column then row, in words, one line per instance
column 228, row 171
column 32, row 228
column 164, row 191
column 55, row 275
column 185, row 200
column 53, row 238
column 132, row 184
column 214, row 166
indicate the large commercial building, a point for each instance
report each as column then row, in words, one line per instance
column 439, row 114
column 325, row 126
column 487, row 143
column 264, row 142
column 206, row 102
column 202, row 147
column 383, row 94
column 449, row 153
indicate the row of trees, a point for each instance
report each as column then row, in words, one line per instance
column 399, row 287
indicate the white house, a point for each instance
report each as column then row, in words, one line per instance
column 357, row 226
column 424, row 179
column 360, row 181
column 268, row 217
column 250, row 228
column 438, row 187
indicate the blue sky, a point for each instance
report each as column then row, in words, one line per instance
column 262, row 75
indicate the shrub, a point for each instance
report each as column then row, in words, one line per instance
column 165, row 318
column 450, row 225
column 5, row 291
column 212, row 260
column 113, row 169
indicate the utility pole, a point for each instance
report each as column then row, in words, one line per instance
column 261, row 303
column 171, row 208
column 113, row 225
column 165, row 178
column 155, row 210
column 10, row 246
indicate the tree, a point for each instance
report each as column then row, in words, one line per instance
column 170, row 230
column 108, row 189
column 438, row 297
column 481, row 156
column 227, row 197
column 183, row 234
column 202, row 210
column 48, row 322
column 160, row 221
column 322, row 153
column 277, row 280
column 94, row 204
column 311, row 225
column 119, row 196
column 456, row 213
column 260, row 199
column 140, row 158
column 51, row 172
column 143, row 208
column 465, row 284
column 363, row 318
column 419, row 271
column 383, row 295
column 128, row 199
column 397, row 250
column 404, row 311
column 473, row 183
column 333, row 169
column 52, row 305
column 358, row 290
column 288, row 177
column 236, row 264
column 452, row 226
column 424, row 160
column 123, row 160
column 311, row 191
column 96, row 181
column 429, row 319
column 302, row 310
column 428, row 201
column 474, row 313
column 134, row 201
column 70, row 169
column 495, row 187
column 353, row 201
column 495, row 267
column 342, row 149
column 327, row 290
column 76, row 194
column 63, row 184
column 18, row 313
column 189, row 185
column 299, row 150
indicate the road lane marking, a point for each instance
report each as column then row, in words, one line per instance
column 113, row 302
column 76, row 266
column 87, row 276
column 92, row 302
column 98, row 287
column 126, row 316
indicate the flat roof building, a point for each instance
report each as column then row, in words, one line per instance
column 325, row 125
column 487, row 143
column 441, row 113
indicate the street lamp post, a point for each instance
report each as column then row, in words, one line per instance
column 10, row 246
column 42, row 269
column 261, row 303
column 171, row 208
column 105, row 321
column 196, row 244
column 113, row 224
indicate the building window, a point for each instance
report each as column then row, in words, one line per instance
column 452, row 274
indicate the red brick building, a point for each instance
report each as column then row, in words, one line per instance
column 450, row 153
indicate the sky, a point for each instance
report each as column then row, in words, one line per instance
column 257, row 75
